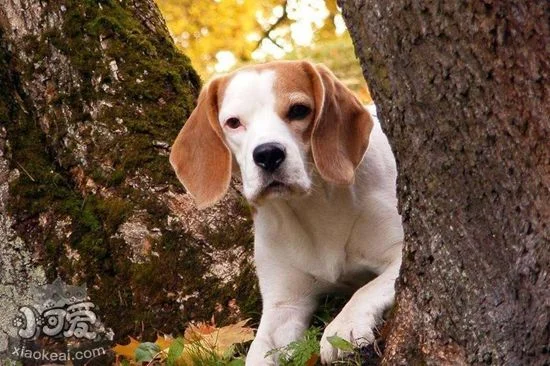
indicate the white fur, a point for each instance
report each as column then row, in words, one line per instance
column 329, row 239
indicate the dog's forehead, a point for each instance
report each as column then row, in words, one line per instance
column 262, row 85
column 249, row 86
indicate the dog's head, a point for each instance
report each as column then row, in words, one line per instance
column 274, row 123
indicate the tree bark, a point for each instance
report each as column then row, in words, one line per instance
column 92, row 95
column 463, row 94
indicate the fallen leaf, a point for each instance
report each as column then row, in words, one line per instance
column 222, row 339
column 195, row 332
column 230, row 335
column 128, row 351
column 203, row 339
column 147, row 351
column 164, row 341
column 340, row 343
column 313, row 360
column 199, row 340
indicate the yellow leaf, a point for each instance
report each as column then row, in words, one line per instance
column 231, row 335
column 196, row 332
column 164, row 342
column 128, row 351
column 203, row 339
column 220, row 340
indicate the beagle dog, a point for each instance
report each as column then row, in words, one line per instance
column 321, row 178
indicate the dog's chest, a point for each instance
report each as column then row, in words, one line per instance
column 320, row 239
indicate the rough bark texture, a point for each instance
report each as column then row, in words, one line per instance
column 463, row 94
column 92, row 94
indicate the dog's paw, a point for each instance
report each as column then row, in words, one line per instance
column 353, row 326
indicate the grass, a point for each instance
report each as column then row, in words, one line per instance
column 304, row 351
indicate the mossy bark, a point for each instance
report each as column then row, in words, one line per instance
column 92, row 95
column 463, row 94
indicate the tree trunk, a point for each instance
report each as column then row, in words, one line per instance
column 92, row 94
column 462, row 90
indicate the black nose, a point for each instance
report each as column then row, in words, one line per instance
column 269, row 156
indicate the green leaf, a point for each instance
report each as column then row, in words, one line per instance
column 298, row 352
column 340, row 343
column 175, row 351
column 125, row 362
column 146, row 351
column 236, row 362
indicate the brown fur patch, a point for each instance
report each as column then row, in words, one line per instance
column 199, row 155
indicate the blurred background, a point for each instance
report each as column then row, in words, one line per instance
column 222, row 35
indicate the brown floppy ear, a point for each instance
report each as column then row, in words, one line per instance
column 199, row 155
column 341, row 127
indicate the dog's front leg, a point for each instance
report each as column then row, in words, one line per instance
column 289, row 299
column 357, row 320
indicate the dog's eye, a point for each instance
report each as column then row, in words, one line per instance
column 233, row 123
column 298, row 111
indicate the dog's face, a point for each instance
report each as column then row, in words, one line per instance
column 274, row 123
column 266, row 120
